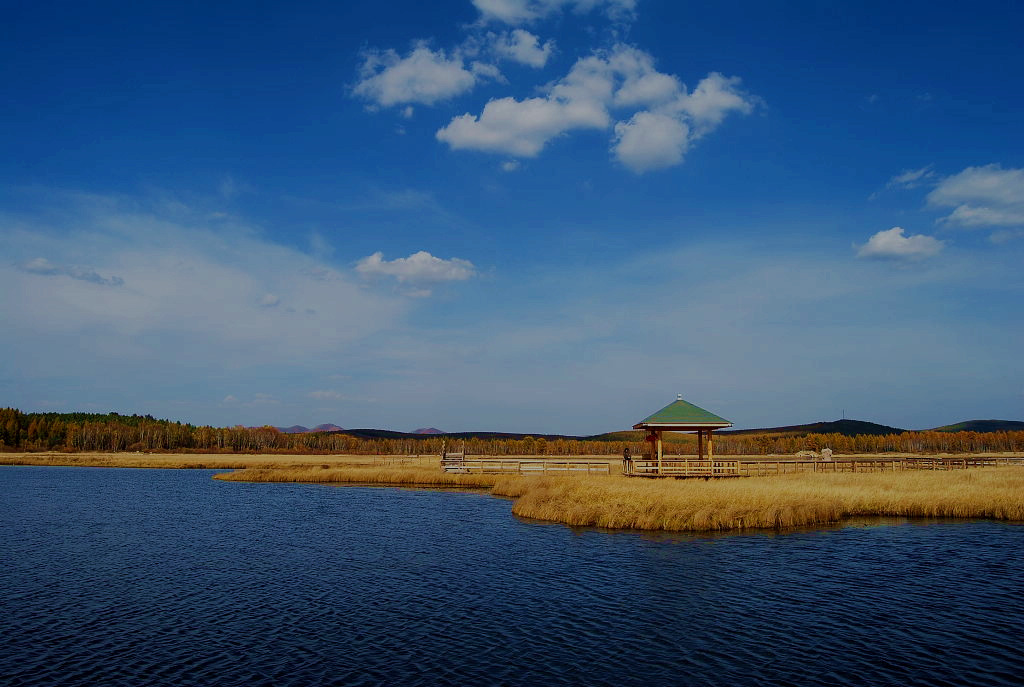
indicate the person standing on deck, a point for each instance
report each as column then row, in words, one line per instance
column 625, row 461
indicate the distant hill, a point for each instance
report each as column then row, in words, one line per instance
column 388, row 434
column 848, row 428
column 294, row 429
column 983, row 426
column 299, row 429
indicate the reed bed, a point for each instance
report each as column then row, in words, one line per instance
column 796, row 500
column 369, row 474
column 205, row 460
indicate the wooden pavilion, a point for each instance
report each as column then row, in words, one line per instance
column 681, row 416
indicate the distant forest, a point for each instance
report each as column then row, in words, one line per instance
column 112, row 432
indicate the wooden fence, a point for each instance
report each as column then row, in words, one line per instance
column 461, row 464
column 674, row 467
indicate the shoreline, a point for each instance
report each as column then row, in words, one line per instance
column 615, row 502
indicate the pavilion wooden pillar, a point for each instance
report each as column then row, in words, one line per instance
column 700, row 444
column 659, row 451
column 711, row 452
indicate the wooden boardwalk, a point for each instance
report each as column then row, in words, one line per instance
column 718, row 468
column 533, row 466
column 788, row 466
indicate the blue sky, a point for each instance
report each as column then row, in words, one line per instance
column 518, row 215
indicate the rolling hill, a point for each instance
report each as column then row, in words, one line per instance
column 983, row 426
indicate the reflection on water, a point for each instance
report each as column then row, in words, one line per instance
column 168, row 577
column 845, row 523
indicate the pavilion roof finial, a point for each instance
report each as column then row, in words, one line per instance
column 679, row 397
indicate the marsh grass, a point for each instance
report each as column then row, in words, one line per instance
column 797, row 500
column 774, row 502
column 207, row 460
column 365, row 474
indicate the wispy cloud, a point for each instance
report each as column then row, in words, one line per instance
column 912, row 178
column 986, row 196
column 517, row 12
column 223, row 293
column 44, row 267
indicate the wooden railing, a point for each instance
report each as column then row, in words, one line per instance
column 682, row 467
column 783, row 467
column 522, row 466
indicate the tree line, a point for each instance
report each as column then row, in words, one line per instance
column 113, row 432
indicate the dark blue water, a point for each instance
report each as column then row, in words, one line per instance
column 150, row 577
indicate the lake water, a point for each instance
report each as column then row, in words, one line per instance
column 133, row 577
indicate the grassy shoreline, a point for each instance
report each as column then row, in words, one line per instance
column 616, row 502
column 774, row 502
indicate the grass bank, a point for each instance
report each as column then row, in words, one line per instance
column 796, row 500
column 206, row 460
column 410, row 475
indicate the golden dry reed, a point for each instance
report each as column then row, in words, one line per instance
column 795, row 500
column 774, row 502
column 365, row 474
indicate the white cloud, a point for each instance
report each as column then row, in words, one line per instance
column 987, row 196
column 522, row 46
column 714, row 98
column 911, row 178
column 892, row 244
column 269, row 300
column 521, row 127
column 418, row 269
column 423, row 76
column 510, row 165
column 623, row 78
column 525, row 11
column 650, row 141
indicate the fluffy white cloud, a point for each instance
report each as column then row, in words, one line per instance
column 420, row 268
column 524, row 11
column 650, row 141
column 714, row 98
column 521, row 127
column 892, row 244
column 423, row 76
column 987, row 196
column 623, row 78
column 523, row 47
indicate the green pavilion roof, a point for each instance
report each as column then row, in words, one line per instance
column 684, row 414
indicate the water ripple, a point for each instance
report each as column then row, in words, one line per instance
column 129, row 577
